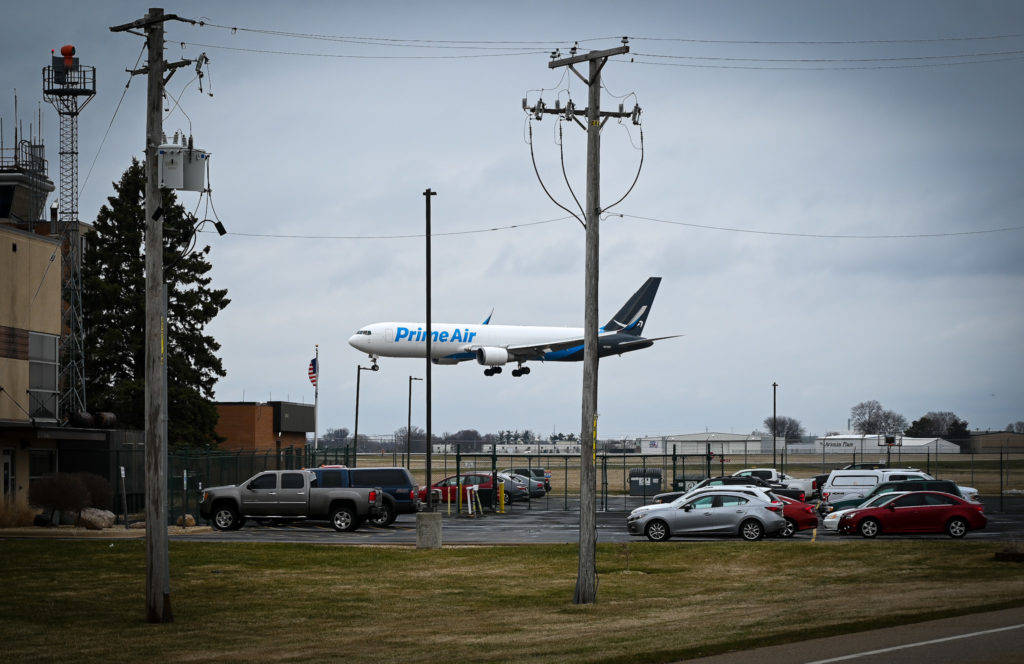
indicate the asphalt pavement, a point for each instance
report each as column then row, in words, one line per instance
column 994, row 637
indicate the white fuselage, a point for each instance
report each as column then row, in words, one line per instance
column 450, row 340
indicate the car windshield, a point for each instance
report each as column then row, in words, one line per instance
column 882, row 499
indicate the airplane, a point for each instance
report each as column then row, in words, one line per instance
column 494, row 346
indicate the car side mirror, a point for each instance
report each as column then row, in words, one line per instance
column 891, row 507
column 249, row 486
column 687, row 508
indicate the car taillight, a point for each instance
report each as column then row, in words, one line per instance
column 802, row 496
column 373, row 496
column 809, row 509
column 980, row 508
column 774, row 507
column 825, row 495
column 814, row 485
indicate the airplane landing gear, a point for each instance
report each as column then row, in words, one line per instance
column 490, row 371
column 521, row 371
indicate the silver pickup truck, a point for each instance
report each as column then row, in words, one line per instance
column 288, row 494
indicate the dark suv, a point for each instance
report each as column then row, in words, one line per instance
column 401, row 493
column 945, row 486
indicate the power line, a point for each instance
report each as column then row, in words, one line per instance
column 1016, row 53
column 851, row 68
column 362, row 57
column 404, row 236
column 827, row 236
column 406, row 43
column 926, row 40
column 728, row 229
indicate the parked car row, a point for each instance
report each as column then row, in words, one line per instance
column 517, row 486
column 752, row 512
column 848, row 488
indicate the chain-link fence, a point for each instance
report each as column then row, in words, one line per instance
column 620, row 477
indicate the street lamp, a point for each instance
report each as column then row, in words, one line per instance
column 408, row 427
column 355, row 436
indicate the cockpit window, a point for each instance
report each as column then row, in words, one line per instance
column 366, row 332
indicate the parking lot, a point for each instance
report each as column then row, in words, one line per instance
column 526, row 524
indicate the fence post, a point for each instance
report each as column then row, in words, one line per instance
column 565, row 482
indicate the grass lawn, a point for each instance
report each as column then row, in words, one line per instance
column 85, row 601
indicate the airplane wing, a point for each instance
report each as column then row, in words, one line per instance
column 537, row 351
column 524, row 352
column 641, row 340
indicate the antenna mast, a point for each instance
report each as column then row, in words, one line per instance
column 69, row 86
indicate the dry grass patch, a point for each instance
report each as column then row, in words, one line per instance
column 282, row 602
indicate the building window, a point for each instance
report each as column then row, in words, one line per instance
column 42, row 376
column 41, row 463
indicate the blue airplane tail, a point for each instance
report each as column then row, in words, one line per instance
column 632, row 317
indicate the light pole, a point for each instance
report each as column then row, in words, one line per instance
column 355, row 435
column 408, row 427
column 774, row 425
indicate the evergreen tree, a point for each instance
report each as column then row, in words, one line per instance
column 114, row 315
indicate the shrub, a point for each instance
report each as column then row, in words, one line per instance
column 15, row 514
column 101, row 495
column 59, row 491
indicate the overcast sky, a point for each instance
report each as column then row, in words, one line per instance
column 833, row 200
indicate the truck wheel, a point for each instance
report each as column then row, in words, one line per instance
column 343, row 519
column 225, row 517
column 385, row 517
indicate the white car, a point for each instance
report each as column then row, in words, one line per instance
column 831, row 521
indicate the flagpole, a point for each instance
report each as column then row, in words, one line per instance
column 316, row 399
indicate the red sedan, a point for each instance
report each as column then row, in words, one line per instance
column 798, row 515
column 448, row 488
column 917, row 512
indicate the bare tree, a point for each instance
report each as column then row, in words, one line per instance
column 869, row 417
column 788, row 428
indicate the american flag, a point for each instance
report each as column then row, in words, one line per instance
column 314, row 371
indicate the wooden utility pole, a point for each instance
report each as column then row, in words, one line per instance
column 158, row 580
column 428, row 384
column 586, row 580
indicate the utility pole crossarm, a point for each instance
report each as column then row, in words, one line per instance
column 145, row 22
column 593, row 55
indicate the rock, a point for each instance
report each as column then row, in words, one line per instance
column 103, row 518
column 137, row 525
column 188, row 519
column 95, row 519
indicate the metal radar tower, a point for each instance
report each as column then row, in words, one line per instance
column 69, row 87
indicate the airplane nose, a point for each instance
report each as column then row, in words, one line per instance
column 354, row 342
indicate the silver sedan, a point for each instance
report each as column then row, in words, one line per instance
column 719, row 512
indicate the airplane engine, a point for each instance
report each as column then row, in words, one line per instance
column 492, row 357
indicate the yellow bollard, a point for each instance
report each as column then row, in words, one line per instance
column 501, row 496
